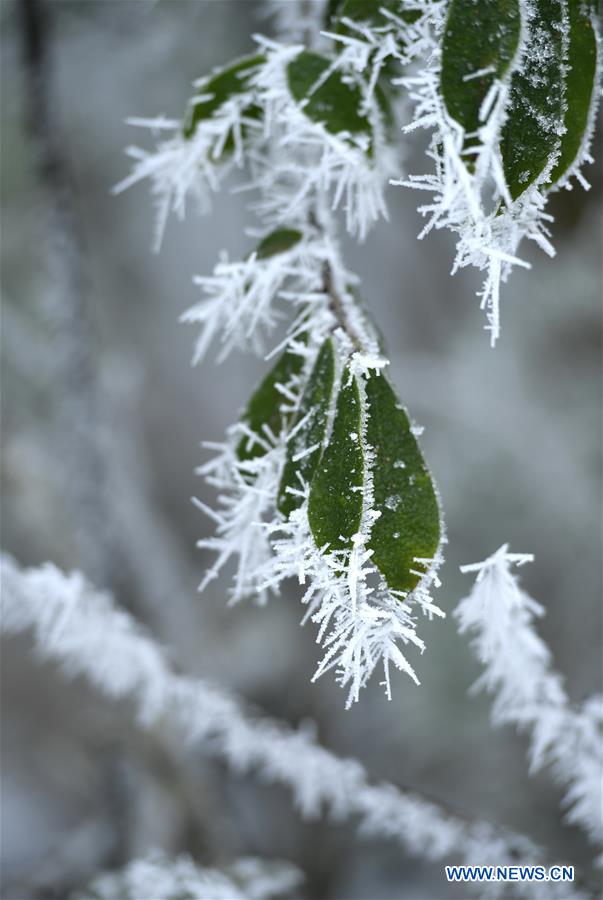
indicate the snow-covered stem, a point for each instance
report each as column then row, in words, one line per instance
column 165, row 878
column 528, row 692
column 81, row 630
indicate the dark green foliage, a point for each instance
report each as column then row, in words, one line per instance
column 478, row 35
column 370, row 11
column 223, row 85
column 335, row 504
column 278, row 242
column 335, row 103
column 409, row 524
column 314, row 408
column 264, row 407
column 332, row 11
column 531, row 135
column 579, row 84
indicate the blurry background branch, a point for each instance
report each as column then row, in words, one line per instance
column 79, row 629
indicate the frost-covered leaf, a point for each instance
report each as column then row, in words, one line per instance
column 408, row 527
column 580, row 83
column 480, row 42
column 532, row 133
column 335, row 503
column 306, row 445
column 264, row 415
column 278, row 241
column 334, row 102
column 219, row 88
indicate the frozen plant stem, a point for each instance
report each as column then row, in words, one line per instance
column 80, row 629
column 529, row 693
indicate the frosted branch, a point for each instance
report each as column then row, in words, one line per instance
column 528, row 692
column 162, row 878
column 82, row 631
column 296, row 20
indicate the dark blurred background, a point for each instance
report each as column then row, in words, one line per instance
column 512, row 435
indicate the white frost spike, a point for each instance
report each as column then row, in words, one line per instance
column 361, row 624
column 179, row 167
column 241, row 297
column 366, row 50
column 247, row 494
column 305, row 159
column 529, row 693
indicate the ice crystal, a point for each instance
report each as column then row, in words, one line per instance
column 304, row 159
column 247, row 492
column 240, row 307
column 180, row 167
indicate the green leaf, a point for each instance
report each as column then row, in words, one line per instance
column 335, row 103
column 409, row 524
column 278, row 241
column 223, row 85
column 532, row 132
column 370, row 11
column 264, row 407
column 478, row 36
column 579, row 84
column 313, row 411
column 335, row 504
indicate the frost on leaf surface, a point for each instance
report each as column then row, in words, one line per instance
column 335, row 504
column 580, row 84
column 305, row 443
column 508, row 90
column 406, row 536
column 531, row 135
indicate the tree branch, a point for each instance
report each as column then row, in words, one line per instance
column 81, row 630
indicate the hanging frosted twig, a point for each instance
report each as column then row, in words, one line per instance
column 528, row 692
